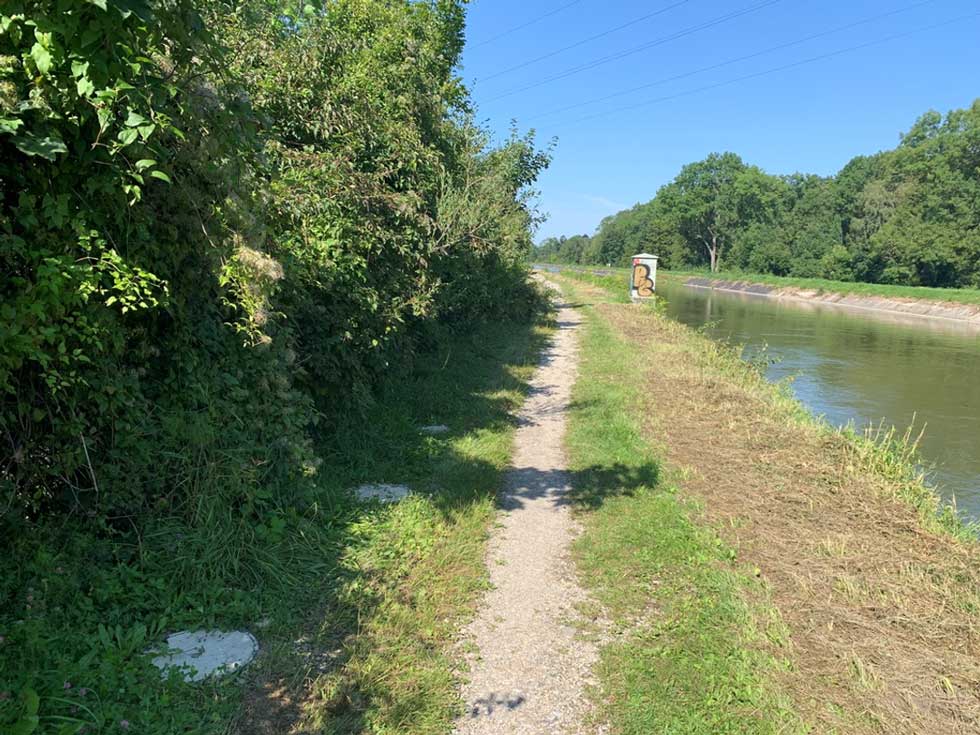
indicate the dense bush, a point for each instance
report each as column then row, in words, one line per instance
column 907, row 216
column 211, row 238
column 222, row 225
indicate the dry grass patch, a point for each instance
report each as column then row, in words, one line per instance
column 880, row 604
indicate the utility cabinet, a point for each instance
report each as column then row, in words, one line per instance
column 643, row 277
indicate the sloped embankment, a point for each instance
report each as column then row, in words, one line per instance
column 967, row 313
column 875, row 599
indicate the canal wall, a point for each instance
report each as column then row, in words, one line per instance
column 924, row 308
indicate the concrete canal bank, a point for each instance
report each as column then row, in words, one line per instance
column 914, row 308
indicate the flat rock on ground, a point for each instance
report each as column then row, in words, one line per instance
column 383, row 493
column 202, row 653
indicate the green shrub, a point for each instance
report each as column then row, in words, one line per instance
column 203, row 246
column 222, row 226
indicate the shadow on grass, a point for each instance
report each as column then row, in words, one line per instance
column 587, row 488
column 473, row 383
column 592, row 486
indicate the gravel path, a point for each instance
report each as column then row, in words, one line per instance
column 531, row 669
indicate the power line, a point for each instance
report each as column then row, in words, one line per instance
column 522, row 26
column 774, row 70
column 584, row 41
column 690, row 30
column 738, row 59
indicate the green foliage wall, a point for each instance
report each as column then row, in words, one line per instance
column 907, row 216
column 221, row 224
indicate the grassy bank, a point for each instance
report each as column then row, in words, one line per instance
column 775, row 574
column 355, row 606
column 820, row 285
column 691, row 622
column 891, row 453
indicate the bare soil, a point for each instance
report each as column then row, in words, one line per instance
column 883, row 616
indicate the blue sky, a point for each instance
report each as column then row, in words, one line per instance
column 813, row 117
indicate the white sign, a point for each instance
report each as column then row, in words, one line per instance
column 643, row 279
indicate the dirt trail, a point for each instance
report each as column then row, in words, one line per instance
column 529, row 671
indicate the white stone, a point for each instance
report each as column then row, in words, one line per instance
column 383, row 493
column 201, row 653
column 435, row 429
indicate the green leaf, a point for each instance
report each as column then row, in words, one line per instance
column 9, row 125
column 134, row 120
column 14, row 33
column 158, row 174
column 83, row 83
column 145, row 163
column 25, row 725
column 32, row 702
column 42, row 58
column 105, row 115
column 128, row 136
column 147, row 130
column 140, row 8
column 47, row 147
column 84, row 87
column 92, row 36
column 99, row 4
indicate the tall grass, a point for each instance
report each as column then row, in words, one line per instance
column 892, row 455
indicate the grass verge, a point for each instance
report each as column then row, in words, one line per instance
column 355, row 605
column 866, row 597
column 820, row 285
column 696, row 645
column 970, row 296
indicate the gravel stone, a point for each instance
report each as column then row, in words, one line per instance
column 532, row 669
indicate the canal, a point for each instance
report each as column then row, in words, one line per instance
column 852, row 367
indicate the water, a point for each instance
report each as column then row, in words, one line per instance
column 852, row 367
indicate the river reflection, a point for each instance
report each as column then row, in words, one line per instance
column 850, row 366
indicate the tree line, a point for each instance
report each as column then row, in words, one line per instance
column 221, row 225
column 908, row 216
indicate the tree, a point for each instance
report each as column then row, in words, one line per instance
column 703, row 198
column 908, row 216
